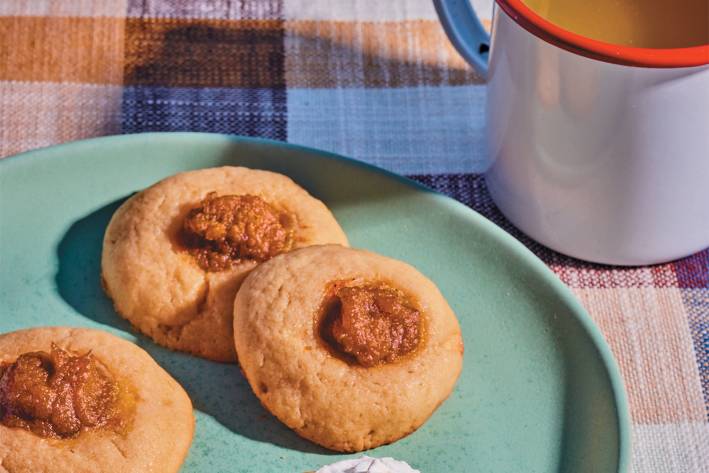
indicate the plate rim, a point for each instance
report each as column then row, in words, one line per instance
column 512, row 244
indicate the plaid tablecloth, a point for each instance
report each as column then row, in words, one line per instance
column 373, row 79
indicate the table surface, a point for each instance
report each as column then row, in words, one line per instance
column 374, row 80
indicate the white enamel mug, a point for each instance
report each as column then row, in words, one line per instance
column 596, row 150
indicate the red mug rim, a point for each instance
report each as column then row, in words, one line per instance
column 607, row 52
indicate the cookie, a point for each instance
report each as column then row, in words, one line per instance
column 80, row 400
column 350, row 349
column 175, row 254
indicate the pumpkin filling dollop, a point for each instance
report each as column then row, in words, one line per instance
column 372, row 323
column 58, row 394
column 226, row 230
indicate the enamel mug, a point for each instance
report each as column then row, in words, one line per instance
column 595, row 150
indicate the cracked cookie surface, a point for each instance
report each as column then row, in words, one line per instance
column 341, row 387
column 150, row 403
column 155, row 277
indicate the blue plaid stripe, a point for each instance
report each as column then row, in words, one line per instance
column 696, row 303
column 253, row 112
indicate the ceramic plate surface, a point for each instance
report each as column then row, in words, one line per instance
column 539, row 392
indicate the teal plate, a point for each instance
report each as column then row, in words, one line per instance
column 539, row 392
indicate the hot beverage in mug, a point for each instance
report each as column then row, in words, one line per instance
column 597, row 121
column 638, row 23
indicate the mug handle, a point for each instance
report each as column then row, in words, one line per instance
column 465, row 32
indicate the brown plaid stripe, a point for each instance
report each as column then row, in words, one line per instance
column 204, row 53
column 62, row 49
column 325, row 54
